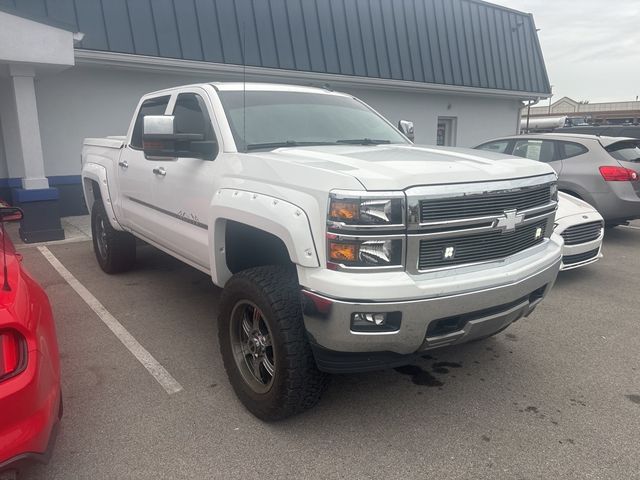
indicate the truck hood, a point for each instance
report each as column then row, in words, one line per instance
column 397, row 167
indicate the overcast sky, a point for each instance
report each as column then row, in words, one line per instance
column 591, row 47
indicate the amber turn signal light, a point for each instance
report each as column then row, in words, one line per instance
column 343, row 210
column 343, row 252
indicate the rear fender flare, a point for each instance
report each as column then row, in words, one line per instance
column 92, row 174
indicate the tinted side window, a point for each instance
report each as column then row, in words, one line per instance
column 541, row 150
column 569, row 149
column 497, row 147
column 627, row 150
column 152, row 106
column 191, row 117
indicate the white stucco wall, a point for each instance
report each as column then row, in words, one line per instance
column 94, row 102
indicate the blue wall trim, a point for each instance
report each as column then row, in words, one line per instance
column 65, row 180
column 10, row 182
column 21, row 195
column 53, row 181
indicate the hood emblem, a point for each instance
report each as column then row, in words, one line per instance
column 509, row 221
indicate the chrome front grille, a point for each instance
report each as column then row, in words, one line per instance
column 481, row 247
column 583, row 233
column 483, row 204
column 457, row 225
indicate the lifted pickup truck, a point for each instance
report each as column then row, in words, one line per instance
column 341, row 246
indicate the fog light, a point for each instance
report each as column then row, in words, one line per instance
column 538, row 232
column 375, row 318
column 448, row 252
column 380, row 322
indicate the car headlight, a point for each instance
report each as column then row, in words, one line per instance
column 365, row 210
column 361, row 252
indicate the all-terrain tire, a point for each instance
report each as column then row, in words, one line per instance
column 297, row 383
column 117, row 253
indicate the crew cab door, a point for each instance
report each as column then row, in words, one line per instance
column 183, row 186
column 135, row 174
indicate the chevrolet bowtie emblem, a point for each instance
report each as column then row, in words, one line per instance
column 508, row 222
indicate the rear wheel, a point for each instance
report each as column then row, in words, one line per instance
column 264, row 346
column 115, row 250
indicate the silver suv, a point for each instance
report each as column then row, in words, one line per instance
column 600, row 170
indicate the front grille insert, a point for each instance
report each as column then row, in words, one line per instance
column 485, row 204
column 493, row 245
column 585, row 232
column 579, row 257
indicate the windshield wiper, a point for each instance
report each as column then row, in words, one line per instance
column 363, row 141
column 286, row 143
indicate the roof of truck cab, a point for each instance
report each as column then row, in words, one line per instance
column 268, row 87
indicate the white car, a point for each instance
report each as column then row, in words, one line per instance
column 582, row 228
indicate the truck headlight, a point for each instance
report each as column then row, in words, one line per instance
column 346, row 252
column 366, row 210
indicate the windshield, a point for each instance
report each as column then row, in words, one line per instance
column 268, row 120
column 627, row 151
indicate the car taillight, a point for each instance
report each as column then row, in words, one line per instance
column 618, row 174
column 12, row 354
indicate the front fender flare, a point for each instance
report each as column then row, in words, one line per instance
column 278, row 217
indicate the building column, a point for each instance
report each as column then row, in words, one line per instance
column 40, row 202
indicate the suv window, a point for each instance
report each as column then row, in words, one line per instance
column 499, row 146
column 151, row 106
column 191, row 117
column 570, row 149
column 541, row 150
column 627, row 151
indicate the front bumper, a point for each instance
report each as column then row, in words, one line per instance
column 426, row 323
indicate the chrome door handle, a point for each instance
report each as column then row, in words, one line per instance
column 160, row 171
column 123, row 164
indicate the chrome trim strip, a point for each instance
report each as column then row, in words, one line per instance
column 171, row 214
column 416, row 195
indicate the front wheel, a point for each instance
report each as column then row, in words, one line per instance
column 115, row 250
column 264, row 346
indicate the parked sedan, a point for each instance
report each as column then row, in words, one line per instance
column 30, row 399
column 603, row 171
column 582, row 228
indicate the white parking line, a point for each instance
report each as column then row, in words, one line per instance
column 158, row 372
column 630, row 226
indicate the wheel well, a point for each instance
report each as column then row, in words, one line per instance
column 248, row 247
column 93, row 190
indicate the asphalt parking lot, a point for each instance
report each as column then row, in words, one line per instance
column 555, row 396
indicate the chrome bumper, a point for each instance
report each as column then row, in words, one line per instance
column 480, row 313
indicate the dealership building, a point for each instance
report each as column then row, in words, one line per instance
column 461, row 70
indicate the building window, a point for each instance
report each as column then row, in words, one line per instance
column 446, row 134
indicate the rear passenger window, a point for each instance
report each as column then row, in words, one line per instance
column 540, row 150
column 152, row 106
column 496, row 147
column 569, row 150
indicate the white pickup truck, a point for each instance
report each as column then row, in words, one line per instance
column 340, row 245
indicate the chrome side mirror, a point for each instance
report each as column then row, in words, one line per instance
column 161, row 142
column 406, row 127
column 158, row 137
